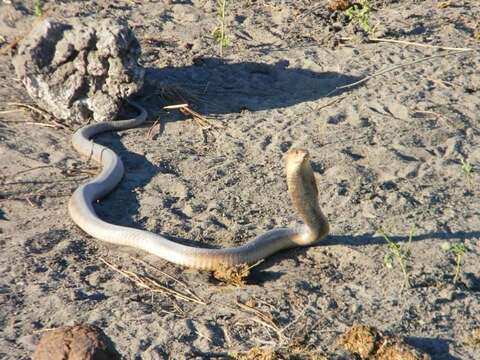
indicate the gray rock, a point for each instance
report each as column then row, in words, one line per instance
column 77, row 69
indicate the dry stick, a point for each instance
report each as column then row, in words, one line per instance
column 152, row 285
column 421, row 45
column 30, row 107
column 44, row 124
column 154, row 127
column 43, row 113
column 187, row 289
column 10, row 111
column 32, row 169
column 263, row 319
column 369, row 77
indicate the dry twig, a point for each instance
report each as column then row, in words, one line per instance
column 152, row 285
column 201, row 120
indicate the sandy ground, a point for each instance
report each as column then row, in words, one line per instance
column 387, row 155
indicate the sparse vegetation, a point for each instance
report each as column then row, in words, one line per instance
column 360, row 13
column 37, row 8
column 399, row 252
column 473, row 339
column 457, row 250
column 219, row 33
column 467, row 170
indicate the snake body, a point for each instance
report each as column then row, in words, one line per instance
column 302, row 189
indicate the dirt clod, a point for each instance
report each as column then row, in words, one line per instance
column 78, row 342
column 234, row 275
column 368, row 343
column 360, row 340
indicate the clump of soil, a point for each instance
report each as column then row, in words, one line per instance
column 233, row 275
column 78, row 342
column 367, row 343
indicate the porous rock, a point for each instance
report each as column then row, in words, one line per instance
column 78, row 69
column 78, row 342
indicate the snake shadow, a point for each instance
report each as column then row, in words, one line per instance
column 436, row 347
column 262, row 273
column 213, row 86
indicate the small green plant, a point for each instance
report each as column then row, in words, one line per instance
column 467, row 170
column 360, row 13
column 398, row 252
column 457, row 250
column 219, row 33
column 37, row 8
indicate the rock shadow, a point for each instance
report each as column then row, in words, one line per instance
column 213, row 86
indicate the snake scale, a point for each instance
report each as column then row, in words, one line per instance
column 302, row 189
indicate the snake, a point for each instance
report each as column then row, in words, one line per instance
column 302, row 190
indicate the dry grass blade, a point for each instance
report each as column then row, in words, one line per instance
column 185, row 286
column 51, row 121
column 43, row 113
column 148, row 283
column 201, row 120
column 410, row 43
column 154, row 130
column 10, row 111
column 172, row 93
column 262, row 318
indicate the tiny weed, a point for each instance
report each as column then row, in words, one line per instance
column 37, row 8
column 444, row 4
column 457, row 250
column 467, row 170
column 399, row 252
column 473, row 339
column 360, row 13
column 219, row 33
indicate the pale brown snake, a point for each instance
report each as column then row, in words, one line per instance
column 302, row 189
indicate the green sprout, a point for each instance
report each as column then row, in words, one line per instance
column 399, row 252
column 467, row 170
column 360, row 12
column 219, row 33
column 37, row 8
column 457, row 250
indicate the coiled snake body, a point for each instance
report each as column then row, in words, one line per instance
column 301, row 187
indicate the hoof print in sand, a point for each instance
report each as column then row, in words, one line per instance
column 78, row 69
column 367, row 343
column 78, row 342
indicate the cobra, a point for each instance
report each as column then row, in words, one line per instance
column 301, row 185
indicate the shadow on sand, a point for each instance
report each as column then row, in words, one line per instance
column 223, row 88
